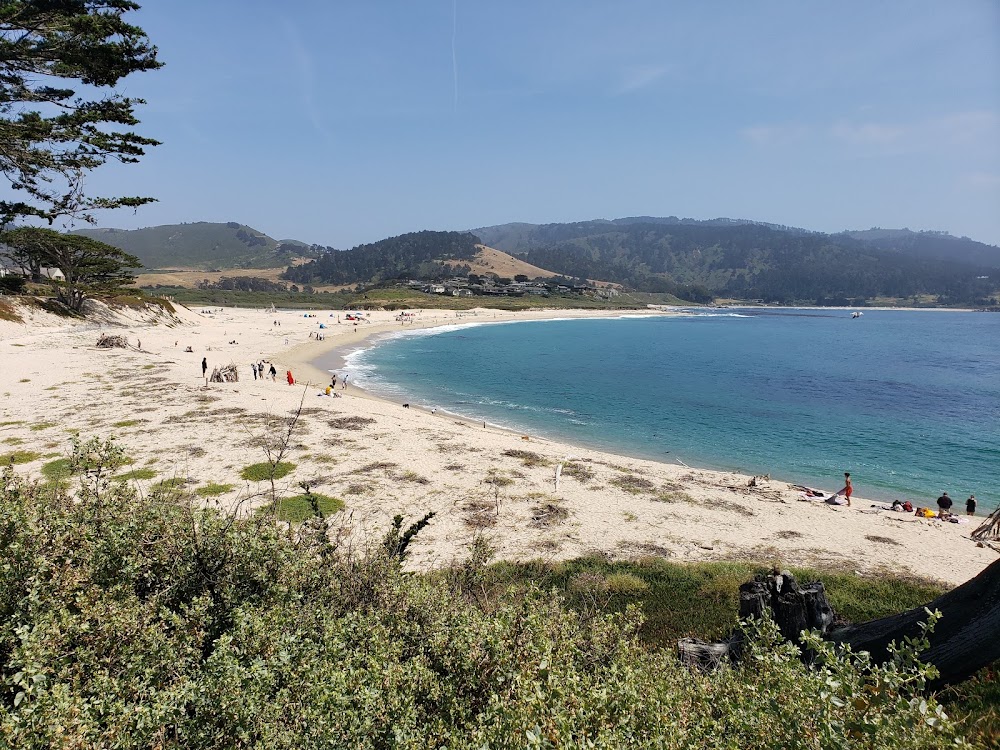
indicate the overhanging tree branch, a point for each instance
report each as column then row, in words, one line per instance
column 50, row 136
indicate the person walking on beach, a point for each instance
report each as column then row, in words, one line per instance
column 274, row 373
column 253, row 366
column 970, row 506
column 846, row 491
column 343, row 387
column 333, row 381
column 204, row 366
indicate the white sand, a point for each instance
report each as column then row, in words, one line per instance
column 410, row 462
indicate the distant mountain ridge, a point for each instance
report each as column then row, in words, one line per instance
column 749, row 259
column 203, row 245
column 692, row 259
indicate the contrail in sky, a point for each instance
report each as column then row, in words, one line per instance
column 454, row 56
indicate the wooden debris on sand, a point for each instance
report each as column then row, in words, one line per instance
column 107, row 341
column 989, row 530
column 227, row 374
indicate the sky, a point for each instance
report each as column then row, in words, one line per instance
column 340, row 123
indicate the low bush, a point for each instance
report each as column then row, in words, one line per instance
column 264, row 472
column 299, row 508
column 137, row 620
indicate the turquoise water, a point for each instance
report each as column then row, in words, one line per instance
column 908, row 402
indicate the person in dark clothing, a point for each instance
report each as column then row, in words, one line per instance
column 204, row 366
column 970, row 506
column 944, row 503
column 273, row 372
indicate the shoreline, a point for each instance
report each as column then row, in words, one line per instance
column 382, row 459
column 365, row 340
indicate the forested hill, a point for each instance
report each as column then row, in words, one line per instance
column 203, row 245
column 413, row 255
column 753, row 260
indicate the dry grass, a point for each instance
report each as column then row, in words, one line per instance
column 578, row 471
column 882, row 540
column 789, row 534
column 7, row 312
column 548, row 514
column 633, row 484
column 527, row 458
column 479, row 514
column 350, row 423
column 383, row 466
column 673, row 496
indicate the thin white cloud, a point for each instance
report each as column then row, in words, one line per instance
column 306, row 77
column 639, row 77
column 868, row 133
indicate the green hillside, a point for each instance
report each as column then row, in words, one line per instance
column 743, row 259
column 202, row 245
column 412, row 255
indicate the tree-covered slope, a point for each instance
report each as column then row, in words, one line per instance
column 203, row 244
column 753, row 260
column 416, row 254
column 931, row 246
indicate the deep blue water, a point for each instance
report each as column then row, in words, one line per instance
column 908, row 402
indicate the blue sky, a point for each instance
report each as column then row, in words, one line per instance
column 347, row 122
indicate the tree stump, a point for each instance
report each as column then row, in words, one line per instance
column 966, row 639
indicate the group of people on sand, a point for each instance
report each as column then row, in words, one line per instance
column 259, row 372
column 945, row 503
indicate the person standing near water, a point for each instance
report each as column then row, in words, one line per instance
column 846, row 491
column 204, row 366
column 970, row 506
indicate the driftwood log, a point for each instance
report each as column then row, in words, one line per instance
column 226, row 374
column 110, row 341
column 966, row 639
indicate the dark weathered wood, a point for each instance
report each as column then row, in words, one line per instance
column 793, row 607
column 966, row 639
column 705, row 655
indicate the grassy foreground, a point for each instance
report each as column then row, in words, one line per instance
column 142, row 620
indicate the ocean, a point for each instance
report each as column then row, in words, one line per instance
column 907, row 401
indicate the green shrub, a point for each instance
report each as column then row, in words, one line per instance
column 262, row 472
column 19, row 457
column 132, row 620
column 137, row 474
column 213, row 490
column 58, row 470
column 299, row 508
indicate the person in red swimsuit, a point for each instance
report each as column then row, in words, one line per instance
column 847, row 491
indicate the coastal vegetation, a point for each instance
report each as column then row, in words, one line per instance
column 683, row 260
column 749, row 260
column 203, row 245
column 131, row 619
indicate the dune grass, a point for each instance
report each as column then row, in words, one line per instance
column 670, row 588
column 213, row 490
column 297, row 509
column 57, row 471
column 19, row 457
column 262, row 472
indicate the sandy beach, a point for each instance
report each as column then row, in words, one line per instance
column 383, row 459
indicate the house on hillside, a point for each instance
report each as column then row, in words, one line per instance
column 10, row 269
